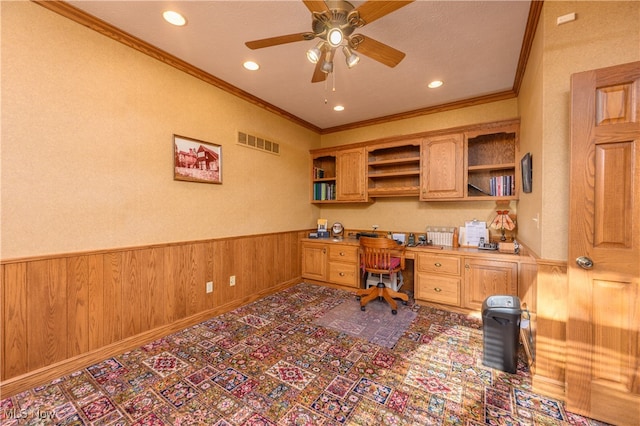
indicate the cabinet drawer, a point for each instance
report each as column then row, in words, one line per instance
column 438, row 289
column 344, row 273
column 343, row 253
column 437, row 263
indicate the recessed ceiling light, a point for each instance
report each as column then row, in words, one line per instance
column 174, row 18
column 338, row 108
column 251, row 66
column 435, row 83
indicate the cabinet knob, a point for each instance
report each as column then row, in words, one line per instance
column 324, row 251
column 341, row 253
column 437, row 289
column 467, row 266
column 438, row 264
column 342, row 274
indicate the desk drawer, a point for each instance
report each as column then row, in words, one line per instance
column 343, row 253
column 344, row 273
column 438, row 263
column 438, row 289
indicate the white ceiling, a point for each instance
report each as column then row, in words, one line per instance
column 473, row 46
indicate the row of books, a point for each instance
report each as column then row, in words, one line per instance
column 502, row 186
column 318, row 173
column 324, row 191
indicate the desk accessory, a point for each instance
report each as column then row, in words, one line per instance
column 337, row 231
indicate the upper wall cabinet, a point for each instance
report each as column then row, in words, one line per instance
column 350, row 175
column 338, row 176
column 442, row 167
column 465, row 163
column 492, row 166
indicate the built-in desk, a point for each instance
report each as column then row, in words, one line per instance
column 461, row 277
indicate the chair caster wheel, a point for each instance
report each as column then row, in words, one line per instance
column 394, row 312
column 358, row 298
column 362, row 308
column 405, row 303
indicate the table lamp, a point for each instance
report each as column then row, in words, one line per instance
column 503, row 222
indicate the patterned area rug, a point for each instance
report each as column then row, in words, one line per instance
column 376, row 324
column 270, row 363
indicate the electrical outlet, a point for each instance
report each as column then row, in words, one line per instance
column 209, row 286
column 232, row 280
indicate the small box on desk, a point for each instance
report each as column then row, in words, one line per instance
column 507, row 247
column 323, row 234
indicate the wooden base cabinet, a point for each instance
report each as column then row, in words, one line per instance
column 438, row 278
column 484, row 278
column 331, row 262
column 343, row 265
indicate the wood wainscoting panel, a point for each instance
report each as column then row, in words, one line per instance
column 551, row 333
column 14, row 319
column 84, row 277
column 46, row 308
column 63, row 312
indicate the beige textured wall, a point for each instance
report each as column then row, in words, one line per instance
column 530, row 105
column 604, row 34
column 87, row 151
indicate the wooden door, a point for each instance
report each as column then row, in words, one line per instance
column 442, row 167
column 603, row 325
column 484, row 278
column 314, row 261
column 350, row 176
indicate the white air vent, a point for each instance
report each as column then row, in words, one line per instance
column 259, row 143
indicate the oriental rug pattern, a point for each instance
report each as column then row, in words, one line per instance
column 270, row 363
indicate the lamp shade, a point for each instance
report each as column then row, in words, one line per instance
column 503, row 221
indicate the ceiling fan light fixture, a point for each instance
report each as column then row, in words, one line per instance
column 327, row 67
column 351, row 58
column 435, row 84
column 335, row 37
column 314, row 54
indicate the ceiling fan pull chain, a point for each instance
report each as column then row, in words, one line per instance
column 334, row 81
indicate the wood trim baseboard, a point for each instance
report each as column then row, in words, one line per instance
column 43, row 375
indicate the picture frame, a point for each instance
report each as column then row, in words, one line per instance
column 196, row 161
column 527, row 172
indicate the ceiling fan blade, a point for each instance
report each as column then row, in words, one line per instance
column 379, row 51
column 316, row 6
column 318, row 75
column 373, row 9
column 274, row 41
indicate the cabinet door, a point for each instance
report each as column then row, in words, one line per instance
column 350, row 175
column 314, row 261
column 442, row 167
column 484, row 278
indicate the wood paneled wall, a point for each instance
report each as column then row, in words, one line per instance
column 60, row 313
column 551, row 335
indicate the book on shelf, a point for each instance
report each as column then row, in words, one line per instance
column 318, row 173
column 323, row 191
column 502, row 186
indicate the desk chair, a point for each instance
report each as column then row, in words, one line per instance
column 381, row 256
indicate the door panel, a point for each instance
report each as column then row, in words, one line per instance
column 603, row 328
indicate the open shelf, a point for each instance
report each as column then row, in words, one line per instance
column 394, row 170
column 491, row 167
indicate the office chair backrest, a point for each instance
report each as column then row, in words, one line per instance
column 381, row 255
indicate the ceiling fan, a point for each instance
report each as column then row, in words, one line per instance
column 334, row 22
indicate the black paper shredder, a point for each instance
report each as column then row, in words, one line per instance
column 501, row 332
